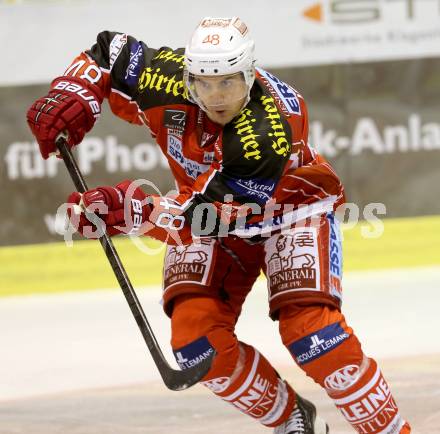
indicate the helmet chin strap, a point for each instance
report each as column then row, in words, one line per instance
column 250, row 84
column 245, row 102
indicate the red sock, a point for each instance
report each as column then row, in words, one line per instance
column 368, row 404
column 257, row 390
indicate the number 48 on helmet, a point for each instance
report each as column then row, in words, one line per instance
column 219, row 63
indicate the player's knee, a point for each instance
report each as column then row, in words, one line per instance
column 200, row 326
column 319, row 340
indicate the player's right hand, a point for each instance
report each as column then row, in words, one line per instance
column 121, row 209
column 72, row 105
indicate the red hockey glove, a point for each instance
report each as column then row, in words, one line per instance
column 108, row 203
column 72, row 105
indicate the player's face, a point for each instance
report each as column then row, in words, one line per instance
column 223, row 96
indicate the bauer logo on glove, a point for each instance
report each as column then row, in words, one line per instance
column 121, row 209
column 71, row 106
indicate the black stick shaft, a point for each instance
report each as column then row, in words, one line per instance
column 174, row 379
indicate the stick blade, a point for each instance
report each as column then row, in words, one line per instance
column 177, row 380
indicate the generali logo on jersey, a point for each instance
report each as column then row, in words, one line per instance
column 293, row 262
column 188, row 263
column 368, row 11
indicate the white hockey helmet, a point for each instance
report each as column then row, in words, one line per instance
column 219, row 46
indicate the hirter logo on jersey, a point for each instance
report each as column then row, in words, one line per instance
column 280, row 144
column 244, row 128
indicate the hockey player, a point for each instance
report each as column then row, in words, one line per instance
column 235, row 137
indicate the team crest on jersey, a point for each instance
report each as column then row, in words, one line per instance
column 285, row 95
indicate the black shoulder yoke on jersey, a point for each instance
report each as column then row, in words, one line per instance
column 151, row 77
column 256, row 146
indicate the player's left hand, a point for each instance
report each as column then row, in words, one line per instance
column 72, row 106
column 122, row 209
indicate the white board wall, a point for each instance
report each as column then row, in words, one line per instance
column 40, row 37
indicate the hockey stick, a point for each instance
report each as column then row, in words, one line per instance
column 174, row 379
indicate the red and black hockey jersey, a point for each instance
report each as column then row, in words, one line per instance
column 262, row 156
